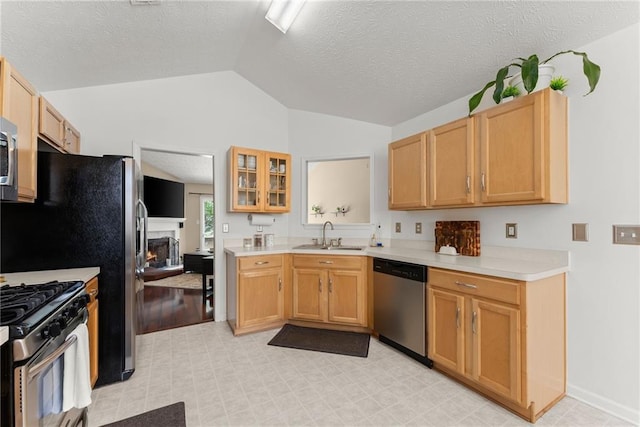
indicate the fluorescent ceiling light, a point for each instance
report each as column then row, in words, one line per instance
column 282, row 13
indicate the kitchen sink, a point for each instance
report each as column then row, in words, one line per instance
column 329, row 248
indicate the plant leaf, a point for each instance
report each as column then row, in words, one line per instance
column 530, row 73
column 502, row 74
column 474, row 101
column 591, row 70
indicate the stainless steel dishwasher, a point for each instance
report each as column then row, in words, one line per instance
column 400, row 306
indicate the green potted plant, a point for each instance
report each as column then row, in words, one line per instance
column 558, row 83
column 529, row 73
column 510, row 92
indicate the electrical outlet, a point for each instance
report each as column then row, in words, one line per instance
column 398, row 227
column 225, row 228
column 418, row 228
column 626, row 234
column 580, row 232
column 259, row 228
column 512, row 230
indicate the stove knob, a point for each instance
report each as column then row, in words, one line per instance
column 73, row 310
column 52, row 330
column 62, row 320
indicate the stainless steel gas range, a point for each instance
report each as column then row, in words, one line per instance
column 41, row 319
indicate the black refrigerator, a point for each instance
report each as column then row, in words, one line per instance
column 87, row 214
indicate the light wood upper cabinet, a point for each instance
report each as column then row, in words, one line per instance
column 408, row 173
column 523, row 150
column 505, row 338
column 451, row 164
column 511, row 154
column 19, row 105
column 255, row 292
column 56, row 130
column 260, row 181
column 330, row 289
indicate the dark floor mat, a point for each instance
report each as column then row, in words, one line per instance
column 328, row 341
column 167, row 416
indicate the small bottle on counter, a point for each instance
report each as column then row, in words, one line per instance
column 373, row 241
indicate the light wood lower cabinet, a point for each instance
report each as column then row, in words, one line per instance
column 255, row 292
column 330, row 289
column 504, row 338
column 92, row 325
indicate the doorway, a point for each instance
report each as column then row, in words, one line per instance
column 177, row 276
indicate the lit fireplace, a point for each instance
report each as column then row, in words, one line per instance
column 162, row 252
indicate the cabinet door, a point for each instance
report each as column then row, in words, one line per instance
column 408, row 173
column 511, row 141
column 92, row 326
column 496, row 348
column 260, row 297
column 71, row 139
column 347, row 297
column 309, row 298
column 277, row 182
column 19, row 105
column 51, row 124
column 246, row 179
column 451, row 155
column 446, row 329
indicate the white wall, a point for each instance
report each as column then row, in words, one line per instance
column 202, row 114
column 603, row 284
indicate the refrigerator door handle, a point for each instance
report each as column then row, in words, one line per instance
column 142, row 255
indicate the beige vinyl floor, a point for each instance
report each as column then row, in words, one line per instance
column 242, row 381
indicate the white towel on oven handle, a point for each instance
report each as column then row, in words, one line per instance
column 76, row 382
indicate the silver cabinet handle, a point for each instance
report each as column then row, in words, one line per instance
column 261, row 262
column 458, row 317
column 466, row 285
column 468, row 184
column 482, row 183
column 330, row 285
column 51, row 358
column 325, row 262
column 473, row 322
column 279, row 284
column 389, row 195
column 320, row 285
column 258, row 197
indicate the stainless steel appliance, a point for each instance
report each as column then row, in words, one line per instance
column 400, row 306
column 8, row 161
column 86, row 215
column 40, row 318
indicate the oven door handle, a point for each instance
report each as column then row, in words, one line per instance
column 36, row 369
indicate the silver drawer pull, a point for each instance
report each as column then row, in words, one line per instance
column 261, row 262
column 325, row 262
column 466, row 285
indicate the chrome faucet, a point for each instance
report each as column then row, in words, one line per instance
column 324, row 227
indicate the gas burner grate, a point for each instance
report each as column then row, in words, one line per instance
column 19, row 302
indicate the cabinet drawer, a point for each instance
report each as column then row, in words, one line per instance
column 92, row 288
column 471, row 284
column 330, row 261
column 259, row 262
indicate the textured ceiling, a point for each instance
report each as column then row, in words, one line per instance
column 188, row 168
column 378, row 61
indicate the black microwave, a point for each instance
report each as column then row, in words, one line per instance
column 8, row 161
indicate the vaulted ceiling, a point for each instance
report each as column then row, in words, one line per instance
column 378, row 61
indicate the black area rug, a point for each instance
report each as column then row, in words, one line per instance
column 167, row 416
column 327, row 341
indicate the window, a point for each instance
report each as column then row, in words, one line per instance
column 206, row 222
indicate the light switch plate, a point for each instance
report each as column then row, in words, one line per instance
column 626, row 234
column 225, row 228
column 398, row 227
column 511, row 230
column 418, row 228
column 580, row 232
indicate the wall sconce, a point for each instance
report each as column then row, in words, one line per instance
column 282, row 13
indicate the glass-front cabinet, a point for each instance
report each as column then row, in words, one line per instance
column 259, row 181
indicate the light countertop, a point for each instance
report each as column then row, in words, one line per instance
column 43, row 276
column 508, row 263
column 4, row 334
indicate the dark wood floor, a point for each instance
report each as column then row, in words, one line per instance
column 166, row 308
